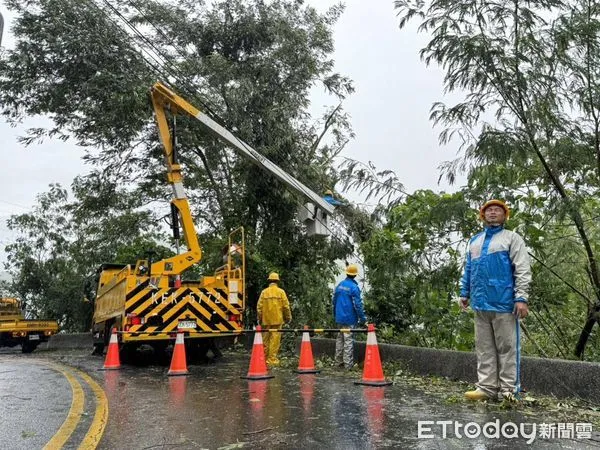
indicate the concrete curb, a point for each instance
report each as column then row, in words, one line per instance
column 63, row 341
column 561, row 378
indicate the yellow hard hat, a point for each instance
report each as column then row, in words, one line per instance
column 352, row 270
column 273, row 276
column 329, row 192
column 494, row 202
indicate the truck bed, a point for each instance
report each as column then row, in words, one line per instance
column 28, row 325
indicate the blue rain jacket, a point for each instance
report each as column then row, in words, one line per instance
column 497, row 271
column 332, row 201
column 347, row 303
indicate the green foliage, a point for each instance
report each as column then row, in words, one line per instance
column 414, row 264
column 54, row 260
column 529, row 126
column 72, row 63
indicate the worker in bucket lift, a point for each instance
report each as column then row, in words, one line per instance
column 329, row 198
column 348, row 312
column 273, row 310
column 495, row 283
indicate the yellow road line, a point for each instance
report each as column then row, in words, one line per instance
column 96, row 430
column 74, row 416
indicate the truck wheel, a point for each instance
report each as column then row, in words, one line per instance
column 98, row 349
column 197, row 350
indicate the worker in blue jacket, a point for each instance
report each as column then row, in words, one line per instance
column 329, row 198
column 348, row 313
column 495, row 283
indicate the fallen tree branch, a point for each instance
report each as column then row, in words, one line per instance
column 259, row 431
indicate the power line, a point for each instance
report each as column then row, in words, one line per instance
column 553, row 272
column 160, row 68
column 189, row 82
column 15, row 204
column 156, row 63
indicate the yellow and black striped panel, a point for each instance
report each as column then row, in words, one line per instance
column 208, row 307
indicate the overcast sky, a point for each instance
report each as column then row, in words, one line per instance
column 389, row 111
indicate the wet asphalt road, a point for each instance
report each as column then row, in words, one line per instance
column 48, row 405
column 33, row 399
column 214, row 408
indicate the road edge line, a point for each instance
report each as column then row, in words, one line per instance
column 96, row 430
column 73, row 417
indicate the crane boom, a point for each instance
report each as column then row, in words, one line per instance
column 165, row 97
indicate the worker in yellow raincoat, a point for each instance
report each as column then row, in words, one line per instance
column 273, row 311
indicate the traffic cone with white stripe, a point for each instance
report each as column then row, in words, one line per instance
column 372, row 371
column 307, row 362
column 178, row 361
column 258, row 365
column 112, row 360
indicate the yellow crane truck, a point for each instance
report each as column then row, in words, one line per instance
column 16, row 330
column 148, row 302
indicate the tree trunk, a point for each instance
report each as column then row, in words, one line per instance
column 585, row 333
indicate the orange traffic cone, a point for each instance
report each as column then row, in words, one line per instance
column 178, row 361
column 372, row 372
column 306, row 363
column 258, row 365
column 177, row 283
column 112, row 360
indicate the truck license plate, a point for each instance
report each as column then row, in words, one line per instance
column 186, row 324
column 34, row 337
